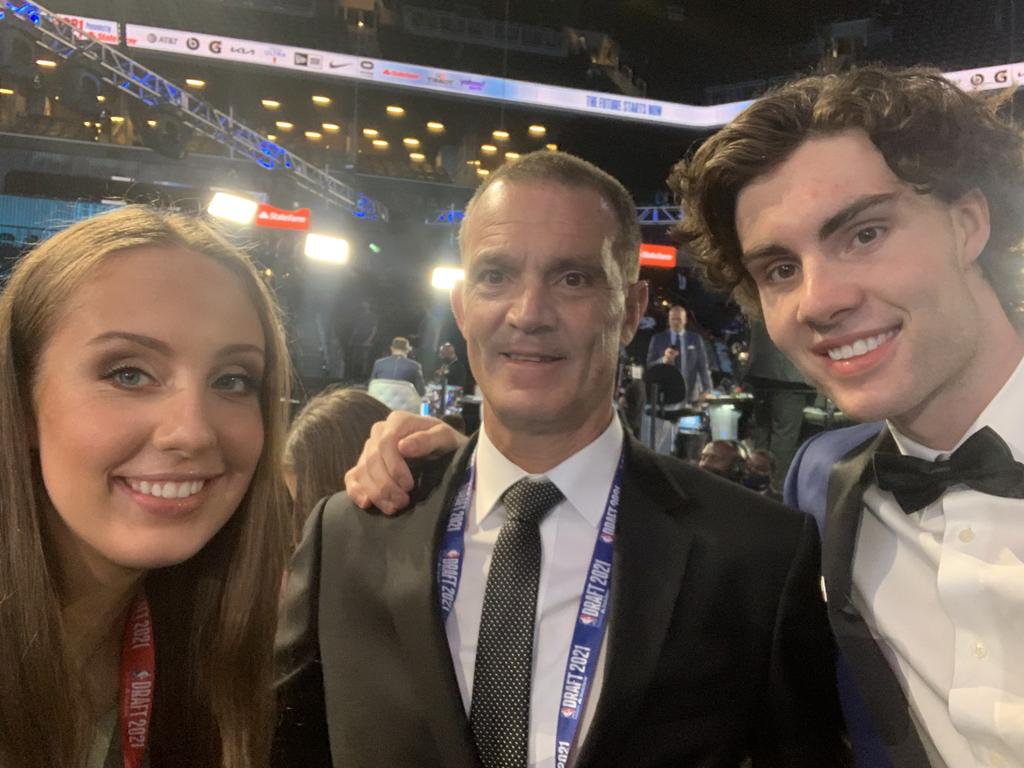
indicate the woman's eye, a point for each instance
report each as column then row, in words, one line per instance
column 236, row 383
column 128, row 377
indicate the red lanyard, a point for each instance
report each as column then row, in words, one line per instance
column 138, row 676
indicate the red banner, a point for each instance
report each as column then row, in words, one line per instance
column 278, row 218
column 663, row 256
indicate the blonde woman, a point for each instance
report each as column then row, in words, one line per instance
column 142, row 517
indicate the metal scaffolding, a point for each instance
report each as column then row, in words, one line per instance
column 127, row 75
column 648, row 216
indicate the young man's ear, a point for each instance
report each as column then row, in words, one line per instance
column 971, row 224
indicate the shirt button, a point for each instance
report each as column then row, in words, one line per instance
column 980, row 650
column 966, row 536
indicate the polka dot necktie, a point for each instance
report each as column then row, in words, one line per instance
column 500, row 708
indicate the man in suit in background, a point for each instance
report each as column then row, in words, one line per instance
column 875, row 218
column 685, row 350
column 451, row 369
column 398, row 366
column 563, row 595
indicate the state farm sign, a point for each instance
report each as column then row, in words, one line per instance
column 278, row 218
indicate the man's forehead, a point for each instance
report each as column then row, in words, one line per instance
column 821, row 177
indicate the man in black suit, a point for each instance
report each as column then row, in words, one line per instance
column 563, row 595
column 685, row 350
column 398, row 366
column 451, row 370
column 875, row 219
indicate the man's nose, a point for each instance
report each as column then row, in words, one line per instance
column 827, row 292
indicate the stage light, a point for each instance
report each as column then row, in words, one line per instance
column 500, row 135
column 394, row 111
column 314, row 135
column 446, row 278
column 371, row 133
column 511, row 155
column 417, row 157
column 483, row 172
column 116, row 119
column 46, row 63
column 283, row 125
column 101, row 98
column 409, row 141
column 488, row 149
column 551, row 147
column 6, row 92
column 374, row 247
column 380, row 144
column 271, row 137
column 435, row 127
column 537, row 130
column 195, row 82
column 326, row 248
column 331, row 127
column 322, row 101
column 151, row 123
column 232, row 208
column 270, row 103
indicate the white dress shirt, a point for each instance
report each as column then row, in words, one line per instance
column 943, row 591
column 568, row 534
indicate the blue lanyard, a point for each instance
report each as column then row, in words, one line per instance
column 591, row 623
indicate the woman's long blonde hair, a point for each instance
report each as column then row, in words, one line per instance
column 214, row 615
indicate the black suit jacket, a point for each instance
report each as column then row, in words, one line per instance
column 718, row 643
column 863, row 665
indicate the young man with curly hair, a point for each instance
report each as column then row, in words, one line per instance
column 874, row 219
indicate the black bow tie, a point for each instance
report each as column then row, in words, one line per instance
column 984, row 462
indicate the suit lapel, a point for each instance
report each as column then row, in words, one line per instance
column 412, row 597
column 875, row 682
column 846, row 484
column 651, row 549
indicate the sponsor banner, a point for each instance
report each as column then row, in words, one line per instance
column 467, row 84
column 279, row 218
column 657, row 256
column 103, row 30
column 988, row 78
column 385, row 72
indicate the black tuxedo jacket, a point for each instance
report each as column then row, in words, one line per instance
column 863, row 662
column 718, row 644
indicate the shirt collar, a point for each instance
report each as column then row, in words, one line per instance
column 1004, row 414
column 584, row 478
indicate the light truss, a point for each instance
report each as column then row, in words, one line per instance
column 142, row 83
column 648, row 216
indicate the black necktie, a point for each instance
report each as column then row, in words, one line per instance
column 984, row 462
column 500, row 708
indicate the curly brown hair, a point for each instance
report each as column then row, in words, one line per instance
column 934, row 136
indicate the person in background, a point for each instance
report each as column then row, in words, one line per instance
column 143, row 374
column 725, row 458
column 324, row 442
column 683, row 349
column 780, row 395
column 451, row 369
column 760, row 469
column 399, row 367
